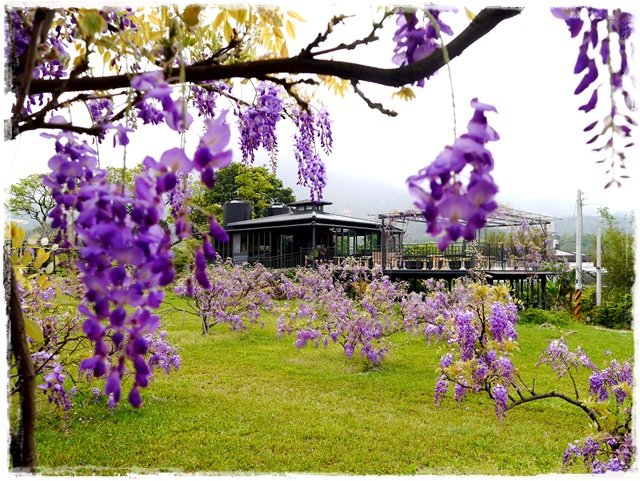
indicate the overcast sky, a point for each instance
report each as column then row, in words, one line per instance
column 523, row 67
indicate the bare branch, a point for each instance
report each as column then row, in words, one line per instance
column 364, row 41
column 372, row 105
column 590, row 412
column 306, row 52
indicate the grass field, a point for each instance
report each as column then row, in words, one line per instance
column 248, row 403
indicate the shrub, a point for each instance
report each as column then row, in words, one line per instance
column 540, row 316
column 614, row 315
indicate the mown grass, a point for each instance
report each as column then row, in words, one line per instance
column 248, row 403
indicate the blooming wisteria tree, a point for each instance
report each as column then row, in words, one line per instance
column 481, row 333
column 238, row 295
column 319, row 310
column 162, row 64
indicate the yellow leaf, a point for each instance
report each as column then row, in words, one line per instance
column 295, row 15
column 41, row 259
column 33, row 330
column 284, row 51
column 191, row 15
column 49, row 268
column 17, row 235
column 240, row 15
column 470, row 15
column 405, row 93
column 90, row 23
column 221, row 17
column 26, row 258
column 15, row 259
column 228, row 31
column 41, row 280
column 291, row 29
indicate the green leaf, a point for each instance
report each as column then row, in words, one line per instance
column 33, row 330
column 91, row 23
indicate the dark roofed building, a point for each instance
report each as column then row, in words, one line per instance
column 297, row 235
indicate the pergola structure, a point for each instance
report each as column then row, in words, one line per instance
column 421, row 261
column 503, row 216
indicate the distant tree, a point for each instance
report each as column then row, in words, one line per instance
column 618, row 260
column 567, row 242
column 124, row 176
column 30, row 197
column 253, row 184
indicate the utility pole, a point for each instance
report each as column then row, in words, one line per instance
column 578, row 292
column 598, row 266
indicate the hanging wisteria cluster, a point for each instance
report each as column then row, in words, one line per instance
column 258, row 123
column 602, row 31
column 453, row 206
column 417, row 39
column 54, row 49
column 312, row 129
column 125, row 253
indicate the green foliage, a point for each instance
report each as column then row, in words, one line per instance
column 560, row 287
column 618, row 259
column 613, row 314
column 126, row 176
column 540, row 316
column 567, row 242
column 30, row 197
column 254, row 184
column 183, row 254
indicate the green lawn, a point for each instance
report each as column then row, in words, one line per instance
column 247, row 403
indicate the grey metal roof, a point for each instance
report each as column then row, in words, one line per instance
column 309, row 201
column 304, row 218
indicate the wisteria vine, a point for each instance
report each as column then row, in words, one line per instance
column 452, row 206
column 601, row 31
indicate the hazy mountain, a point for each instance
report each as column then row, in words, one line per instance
column 590, row 224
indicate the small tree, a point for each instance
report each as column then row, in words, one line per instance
column 618, row 259
column 30, row 197
column 254, row 184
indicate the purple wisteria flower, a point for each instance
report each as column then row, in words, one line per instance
column 500, row 398
column 125, row 254
column 156, row 87
column 451, row 208
column 416, row 40
column 311, row 169
column 54, row 385
column 441, row 390
column 601, row 30
column 258, row 122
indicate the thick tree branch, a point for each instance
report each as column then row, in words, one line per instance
column 558, row 395
column 41, row 24
column 484, row 22
column 23, row 444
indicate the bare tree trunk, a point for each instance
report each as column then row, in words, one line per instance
column 23, row 444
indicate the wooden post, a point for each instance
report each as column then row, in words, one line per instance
column 383, row 243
